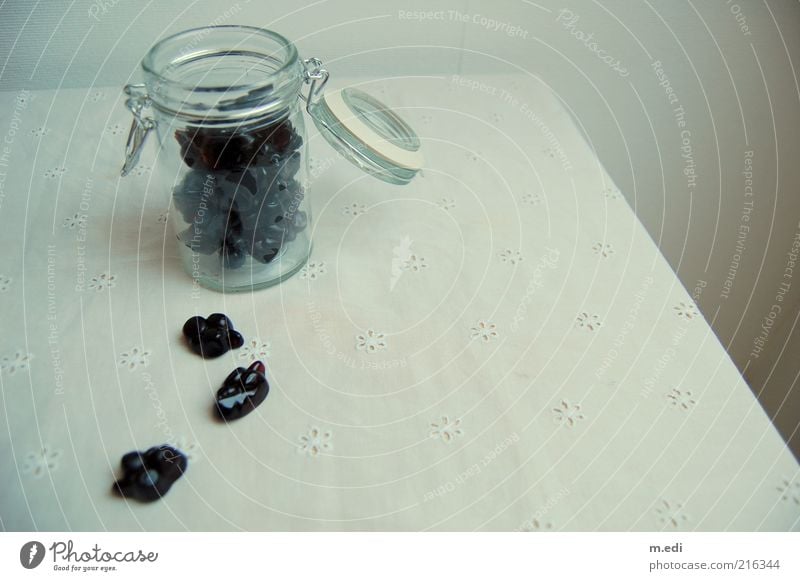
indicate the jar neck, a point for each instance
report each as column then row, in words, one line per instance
column 223, row 75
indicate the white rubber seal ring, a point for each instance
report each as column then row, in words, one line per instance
column 404, row 158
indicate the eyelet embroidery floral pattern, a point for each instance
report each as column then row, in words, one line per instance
column 567, row 414
column 134, row 358
column 72, row 222
column 671, row 514
column 531, row 199
column 414, row 263
column 5, row 283
column 603, row 249
column 40, row 131
column 190, row 449
column 18, row 362
column 681, row 399
column 354, row 209
column 55, row 172
column 371, row 341
column 141, row 170
column 790, row 491
column 255, row 349
column 103, row 282
column 511, row 256
column 588, row 322
column 315, row 442
column 446, row 203
column 313, row 270
column 686, row 310
column 485, row 331
column 445, row 430
column 534, row 526
column 42, row 462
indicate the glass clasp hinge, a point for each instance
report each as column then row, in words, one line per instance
column 140, row 127
column 317, row 76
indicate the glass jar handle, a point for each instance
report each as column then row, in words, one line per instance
column 318, row 77
column 141, row 126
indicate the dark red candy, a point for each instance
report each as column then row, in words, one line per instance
column 236, row 148
column 242, row 392
column 147, row 476
column 213, row 336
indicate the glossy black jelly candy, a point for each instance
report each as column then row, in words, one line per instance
column 213, row 336
column 242, row 391
column 234, row 251
column 147, row 476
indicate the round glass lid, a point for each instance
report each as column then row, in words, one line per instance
column 369, row 134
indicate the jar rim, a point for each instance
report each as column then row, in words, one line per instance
column 149, row 67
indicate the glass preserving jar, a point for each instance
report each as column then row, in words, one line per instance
column 226, row 105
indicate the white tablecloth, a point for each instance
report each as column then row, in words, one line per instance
column 497, row 346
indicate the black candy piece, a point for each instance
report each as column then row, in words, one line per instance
column 266, row 250
column 212, row 344
column 235, row 339
column 213, row 336
column 219, row 320
column 194, row 327
column 147, row 476
column 234, row 251
column 242, row 392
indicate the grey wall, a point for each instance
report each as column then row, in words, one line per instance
column 731, row 64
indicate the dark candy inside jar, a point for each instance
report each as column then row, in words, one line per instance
column 242, row 196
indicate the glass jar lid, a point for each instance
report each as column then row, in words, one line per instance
column 368, row 134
